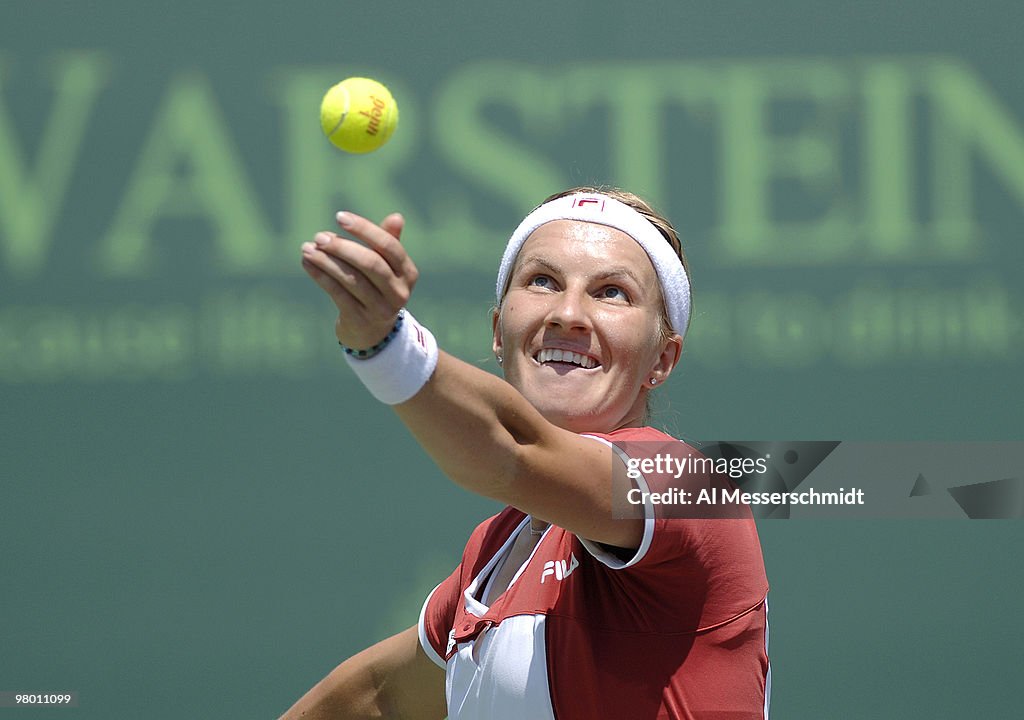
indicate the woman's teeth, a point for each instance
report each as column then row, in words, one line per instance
column 566, row 356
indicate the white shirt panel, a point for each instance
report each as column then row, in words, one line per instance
column 502, row 674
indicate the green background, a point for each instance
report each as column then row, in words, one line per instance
column 201, row 512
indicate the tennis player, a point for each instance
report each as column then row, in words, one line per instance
column 560, row 608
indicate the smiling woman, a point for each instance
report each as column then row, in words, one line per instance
column 561, row 606
column 595, row 296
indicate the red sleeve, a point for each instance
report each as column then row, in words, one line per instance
column 714, row 563
column 660, row 542
column 437, row 617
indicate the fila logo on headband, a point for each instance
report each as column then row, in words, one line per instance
column 581, row 202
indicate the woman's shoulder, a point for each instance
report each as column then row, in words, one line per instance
column 644, row 432
column 628, row 436
column 495, row 530
column 509, row 517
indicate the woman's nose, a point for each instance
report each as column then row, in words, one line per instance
column 569, row 311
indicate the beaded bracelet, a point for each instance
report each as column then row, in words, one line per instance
column 370, row 352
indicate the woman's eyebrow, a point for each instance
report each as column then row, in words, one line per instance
column 612, row 273
column 537, row 260
column 620, row 272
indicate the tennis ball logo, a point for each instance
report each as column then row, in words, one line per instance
column 358, row 115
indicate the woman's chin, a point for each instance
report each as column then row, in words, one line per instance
column 575, row 409
column 575, row 419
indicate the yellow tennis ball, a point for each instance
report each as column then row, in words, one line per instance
column 358, row 115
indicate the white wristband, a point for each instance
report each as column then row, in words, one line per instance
column 400, row 370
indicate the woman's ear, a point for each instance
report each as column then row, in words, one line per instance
column 496, row 333
column 671, row 350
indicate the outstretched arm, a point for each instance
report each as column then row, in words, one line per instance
column 392, row 679
column 492, row 441
column 479, row 429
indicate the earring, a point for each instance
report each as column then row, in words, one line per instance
column 498, row 358
column 654, row 381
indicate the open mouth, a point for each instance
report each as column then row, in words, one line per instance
column 565, row 357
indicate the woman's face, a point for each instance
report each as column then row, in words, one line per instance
column 579, row 329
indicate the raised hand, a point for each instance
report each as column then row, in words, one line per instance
column 369, row 278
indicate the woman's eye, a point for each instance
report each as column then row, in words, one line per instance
column 613, row 292
column 541, row 281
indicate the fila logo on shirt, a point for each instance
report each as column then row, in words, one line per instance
column 561, row 569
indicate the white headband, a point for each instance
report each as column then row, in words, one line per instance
column 604, row 210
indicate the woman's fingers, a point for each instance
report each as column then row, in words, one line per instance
column 393, row 224
column 343, row 274
column 361, row 270
column 369, row 283
column 358, row 326
column 346, row 303
column 383, row 242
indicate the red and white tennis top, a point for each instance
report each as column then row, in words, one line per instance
column 677, row 631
